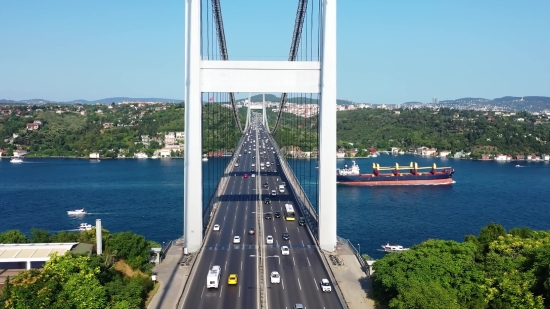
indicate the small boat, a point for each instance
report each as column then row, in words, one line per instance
column 393, row 248
column 77, row 212
column 84, row 227
column 204, row 158
column 154, row 157
column 517, row 165
column 16, row 160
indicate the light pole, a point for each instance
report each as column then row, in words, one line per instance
column 359, row 249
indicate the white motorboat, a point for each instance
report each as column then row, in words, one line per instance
column 393, row 248
column 77, row 212
column 16, row 160
column 84, row 227
column 204, row 159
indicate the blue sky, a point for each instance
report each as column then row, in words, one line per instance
column 388, row 51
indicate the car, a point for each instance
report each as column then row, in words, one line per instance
column 325, row 285
column 273, row 193
column 239, row 154
column 269, row 239
column 236, row 164
column 268, row 216
column 216, row 227
column 237, row 239
column 232, row 279
column 298, row 306
column 253, row 165
column 265, row 185
column 302, row 221
column 251, row 231
column 286, row 236
column 285, row 250
column 245, row 175
column 275, row 277
column 253, row 175
column 277, row 214
column 267, row 200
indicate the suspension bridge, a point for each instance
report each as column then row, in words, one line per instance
column 260, row 158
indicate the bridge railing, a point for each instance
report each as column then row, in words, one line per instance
column 311, row 216
column 357, row 254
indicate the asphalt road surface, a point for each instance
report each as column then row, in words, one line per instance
column 301, row 271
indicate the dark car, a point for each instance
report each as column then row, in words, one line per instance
column 278, row 163
column 268, row 216
column 267, row 201
column 286, row 236
column 265, row 185
column 251, row 231
column 302, row 221
column 277, row 214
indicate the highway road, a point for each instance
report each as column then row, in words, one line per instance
column 236, row 213
column 301, row 271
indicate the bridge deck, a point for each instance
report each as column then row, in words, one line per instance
column 301, row 271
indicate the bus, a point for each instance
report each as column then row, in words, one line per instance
column 289, row 212
column 213, row 277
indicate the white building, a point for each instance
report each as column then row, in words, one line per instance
column 19, row 153
column 94, row 155
column 165, row 153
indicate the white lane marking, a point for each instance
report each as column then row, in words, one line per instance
column 282, row 283
column 303, row 243
column 221, row 291
column 235, row 216
column 239, row 290
column 298, row 228
column 225, row 265
column 274, row 228
column 241, row 265
column 308, row 261
column 202, row 291
column 293, row 261
column 231, row 231
column 210, row 266
column 315, row 282
column 299, row 283
column 224, row 217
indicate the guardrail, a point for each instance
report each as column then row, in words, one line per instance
column 364, row 266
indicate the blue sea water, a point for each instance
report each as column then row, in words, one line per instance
column 146, row 197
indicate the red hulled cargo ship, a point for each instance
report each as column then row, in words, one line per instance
column 396, row 176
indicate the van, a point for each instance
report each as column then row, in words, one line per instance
column 281, row 188
column 302, row 221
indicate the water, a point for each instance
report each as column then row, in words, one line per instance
column 146, row 197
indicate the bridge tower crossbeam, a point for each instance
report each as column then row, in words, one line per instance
column 259, row 77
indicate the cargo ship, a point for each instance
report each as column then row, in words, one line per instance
column 396, row 175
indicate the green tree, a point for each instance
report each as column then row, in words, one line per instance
column 40, row 236
column 13, row 237
column 130, row 247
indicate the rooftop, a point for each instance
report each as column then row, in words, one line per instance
column 32, row 252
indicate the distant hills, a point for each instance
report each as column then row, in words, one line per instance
column 528, row 103
column 104, row 101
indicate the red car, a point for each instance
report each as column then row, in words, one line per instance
column 245, row 176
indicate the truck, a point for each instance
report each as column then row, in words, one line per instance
column 281, row 188
column 213, row 277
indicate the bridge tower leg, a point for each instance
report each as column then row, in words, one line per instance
column 192, row 179
column 327, row 130
column 264, row 114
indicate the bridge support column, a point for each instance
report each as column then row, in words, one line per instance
column 192, row 186
column 327, row 130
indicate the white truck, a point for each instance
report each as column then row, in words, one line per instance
column 281, row 188
column 213, row 277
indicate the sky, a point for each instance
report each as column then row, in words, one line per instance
column 388, row 51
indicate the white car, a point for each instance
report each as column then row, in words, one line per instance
column 275, row 277
column 285, row 250
column 325, row 285
column 253, row 175
column 237, row 240
column 216, row 227
column 269, row 239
